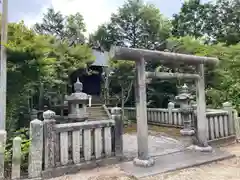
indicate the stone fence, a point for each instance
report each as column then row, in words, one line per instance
column 220, row 121
column 58, row 149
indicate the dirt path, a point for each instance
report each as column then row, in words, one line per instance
column 222, row 170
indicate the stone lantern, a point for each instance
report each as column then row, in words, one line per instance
column 184, row 99
column 77, row 103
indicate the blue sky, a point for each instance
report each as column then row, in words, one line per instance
column 95, row 12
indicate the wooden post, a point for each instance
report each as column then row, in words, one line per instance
column 141, row 111
column 201, row 111
column 49, row 138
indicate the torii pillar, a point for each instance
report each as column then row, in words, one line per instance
column 143, row 158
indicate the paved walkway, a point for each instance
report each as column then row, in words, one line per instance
column 222, row 170
column 158, row 145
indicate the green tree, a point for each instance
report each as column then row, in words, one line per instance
column 222, row 82
column 28, row 64
column 193, row 19
column 69, row 28
column 136, row 25
column 217, row 22
column 38, row 64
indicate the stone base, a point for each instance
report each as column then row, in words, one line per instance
column 186, row 141
column 143, row 163
column 199, row 148
column 187, row 132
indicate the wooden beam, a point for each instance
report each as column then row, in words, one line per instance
column 133, row 54
column 165, row 75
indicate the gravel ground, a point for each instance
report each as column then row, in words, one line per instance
column 222, row 170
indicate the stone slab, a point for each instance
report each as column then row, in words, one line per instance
column 157, row 145
column 175, row 161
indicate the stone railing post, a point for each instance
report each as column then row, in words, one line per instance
column 35, row 149
column 49, row 138
column 116, row 115
column 228, row 107
column 237, row 125
column 170, row 114
column 16, row 158
column 3, row 136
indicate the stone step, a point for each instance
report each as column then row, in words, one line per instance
column 96, row 112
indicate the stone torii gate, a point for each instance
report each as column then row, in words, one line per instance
column 142, row 55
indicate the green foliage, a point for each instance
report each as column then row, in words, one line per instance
column 222, row 83
column 216, row 22
column 135, row 24
column 69, row 28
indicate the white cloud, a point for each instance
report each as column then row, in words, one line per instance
column 95, row 12
column 30, row 20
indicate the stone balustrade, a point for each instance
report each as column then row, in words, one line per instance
column 58, row 149
column 70, row 147
column 220, row 121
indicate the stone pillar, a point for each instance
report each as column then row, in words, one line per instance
column 143, row 158
column 236, row 125
column 170, row 114
column 201, row 112
column 16, row 158
column 116, row 115
column 3, row 135
column 49, row 138
column 228, row 107
column 35, row 149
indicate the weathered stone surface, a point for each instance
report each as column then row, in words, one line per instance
column 64, row 148
column 134, row 54
column 16, row 158
column 201, row 109
column 201, row 149
column 158, row 145
column 107, row 142
column 228, row 107
column 141, row 108
column 98, row 143
column 76, row 145
column 170, row 112
column 175, row 161
column 49, row 138
column 116, row 115
column 35, row 149
column 143, row 163
column 87, row 144
column 3, row 135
